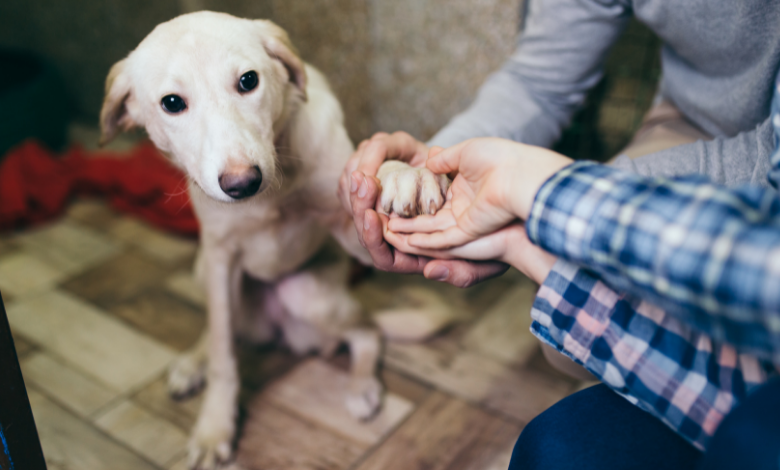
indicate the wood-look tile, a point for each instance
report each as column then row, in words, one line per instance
column 70, row 443
column 501, row 460
column 444, row 433
column 117, row 280
column 90, row 340
column 184, row 285
column 156, row 439
column 261, row 365
column 156, row 243
column 155, row 398
column 503, row 333
column 68, row 246
column 403, row 386
column 24, row 274
column 65, row 385
column 164, row 317
column 273, row 438
column 316, row 391
column 518, row 393
column 93, row 213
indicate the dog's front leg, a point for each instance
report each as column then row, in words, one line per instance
column 365, row 391
column 212, row 440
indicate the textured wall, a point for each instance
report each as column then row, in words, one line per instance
column 430, row 56
column 394, row 64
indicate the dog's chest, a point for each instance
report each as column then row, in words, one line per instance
column 280, row 248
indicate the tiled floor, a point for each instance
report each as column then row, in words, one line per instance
column 100, row 303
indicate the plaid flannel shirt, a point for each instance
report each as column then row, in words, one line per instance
column 708, row 255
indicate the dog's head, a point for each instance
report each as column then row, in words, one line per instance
column 212, row 92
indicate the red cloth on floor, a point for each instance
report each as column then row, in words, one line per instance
column 36, row 184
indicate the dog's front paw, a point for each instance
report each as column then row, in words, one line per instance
column 211, row 446
column 409, row 191
column 186, row 377
column 364, row 397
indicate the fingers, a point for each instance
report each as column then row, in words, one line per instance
column 346, row 184
column 363, row 194
column 446, row 160
column 381, row 147
column 382, row 254
column 442, row 220
column 448, row 238
column 463, row 273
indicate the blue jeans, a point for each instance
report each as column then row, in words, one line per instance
column 596, row 429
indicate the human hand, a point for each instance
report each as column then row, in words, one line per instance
column 509, row 244
column 496, row 182
column 387, row 258
column 367, row 159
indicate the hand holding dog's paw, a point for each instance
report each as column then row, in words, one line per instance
column 364, row 397
column 408, row 191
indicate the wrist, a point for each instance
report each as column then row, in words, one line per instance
column 539, row 166
column 526, row 257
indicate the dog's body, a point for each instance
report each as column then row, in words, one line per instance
column 280, row 146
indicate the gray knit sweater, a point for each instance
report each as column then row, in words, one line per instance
column 720, row 58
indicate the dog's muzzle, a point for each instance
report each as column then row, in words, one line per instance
column 240, row 185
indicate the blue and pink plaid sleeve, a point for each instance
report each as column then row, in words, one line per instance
column 654, row 360
column 707, row 254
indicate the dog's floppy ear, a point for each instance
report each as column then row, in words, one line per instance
column 278, row 45
column 114, row 115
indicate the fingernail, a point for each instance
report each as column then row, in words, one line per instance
column 439, row 273
column 363, row 188
column 353, row 184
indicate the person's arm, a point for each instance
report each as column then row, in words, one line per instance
column 742, row 159
column 707, row 254
column 559, row 57
column 640, row 351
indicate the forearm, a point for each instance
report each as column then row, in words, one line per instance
column 742, row 159
column 685, row 245
column 532, row 97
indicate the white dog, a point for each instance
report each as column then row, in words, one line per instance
column 261, row 137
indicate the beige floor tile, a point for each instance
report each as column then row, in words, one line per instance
column 444, row 433
column 501, row 459
column 184, row 285
column 24, row 274
column 503, row 333
column 93, row 213
column 160, row 245
column 65, row 385
column 519, row 393
column 181, row 464
column 68, row 246
column 276, row 439
column 156, row 439
column 90, row 340
column 155, row 398
column 70, row 443
column 163, row 316
column 316, row 391
column 117, row 280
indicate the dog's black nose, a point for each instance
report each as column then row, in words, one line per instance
column 239, row 185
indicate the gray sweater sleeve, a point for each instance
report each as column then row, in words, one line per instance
column 559, row 58
column 732, row 161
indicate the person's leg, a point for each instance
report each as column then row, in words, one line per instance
column 597, row 429
column 749, row 436
column 663, row 127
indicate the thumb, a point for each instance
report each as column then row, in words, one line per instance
column 447, row 160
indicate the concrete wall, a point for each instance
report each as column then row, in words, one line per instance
column 395, row 64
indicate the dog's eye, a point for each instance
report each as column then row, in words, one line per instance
column 248, row 81
column 174, row 104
